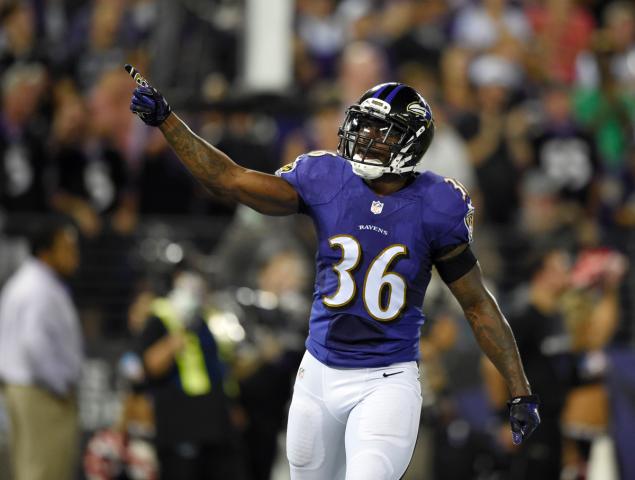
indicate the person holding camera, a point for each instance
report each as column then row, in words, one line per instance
column 195, row 438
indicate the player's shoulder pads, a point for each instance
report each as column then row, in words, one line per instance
column 317, row 176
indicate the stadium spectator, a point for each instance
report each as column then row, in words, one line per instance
column 569, row 317
column 564, row 150
column 73, row 196
column 491, row 25
column 419, row 34
column 562, row 29
column 360, row 57
column 206, row 28
column 618, row 37
column 93, row 176
column 322, row 31
column 591, row 314
column 41, row 356
column 448, row 154
column 609, row 112
column 158, row 174
column 24, row 181
column 621, row 201
column 317, row 131
column 266, row 391
column 19, row 32
column 195, row 438
column 99, row 44
column 489, row 144
column 125, row 450
column 453, row 424
column 543, row 344
column 542, row 215
column 458, row 95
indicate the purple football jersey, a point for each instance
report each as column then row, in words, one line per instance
column 374, row 258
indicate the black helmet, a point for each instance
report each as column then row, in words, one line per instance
column 387, row 131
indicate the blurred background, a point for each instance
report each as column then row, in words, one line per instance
column 534, row 103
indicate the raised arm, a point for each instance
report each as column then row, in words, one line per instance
column 265, row 193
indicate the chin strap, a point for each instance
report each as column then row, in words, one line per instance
column 367, row 172
column 372, row 172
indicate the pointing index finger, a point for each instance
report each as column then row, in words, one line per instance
column 136, row 76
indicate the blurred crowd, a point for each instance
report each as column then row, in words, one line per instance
column 534, row 106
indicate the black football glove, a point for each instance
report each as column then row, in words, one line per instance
column 147, row 102
column 523, row 417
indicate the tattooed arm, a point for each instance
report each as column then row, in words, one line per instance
column 491, row 330
column 265, row 193
column 215, row 170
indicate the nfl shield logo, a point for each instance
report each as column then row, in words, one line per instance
column 376, row 207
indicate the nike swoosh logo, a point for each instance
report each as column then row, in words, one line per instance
column 391, row 374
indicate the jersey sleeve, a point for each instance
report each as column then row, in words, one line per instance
column 316, row 176
column 453, row 216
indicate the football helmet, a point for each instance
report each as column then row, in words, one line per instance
column 387, row 131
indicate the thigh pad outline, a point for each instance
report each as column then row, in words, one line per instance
column 305, row 442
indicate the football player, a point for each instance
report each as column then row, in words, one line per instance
column 381, row 228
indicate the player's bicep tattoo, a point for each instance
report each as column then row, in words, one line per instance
column 208, row 164
column 265, row 193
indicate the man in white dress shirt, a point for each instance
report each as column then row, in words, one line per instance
column 41, row 356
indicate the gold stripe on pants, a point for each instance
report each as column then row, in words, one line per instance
column 44, row 434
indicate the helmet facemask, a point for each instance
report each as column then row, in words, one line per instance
column 376, row 143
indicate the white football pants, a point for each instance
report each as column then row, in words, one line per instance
column 353, row 424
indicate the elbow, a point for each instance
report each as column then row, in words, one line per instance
column 482, row 301
column 154, row 366
column 152, row 370
column 230, row 187
column 484, row 311
column 478, row 305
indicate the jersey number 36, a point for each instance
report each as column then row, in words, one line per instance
column 383, row 292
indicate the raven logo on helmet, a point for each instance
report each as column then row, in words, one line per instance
column 418, row 109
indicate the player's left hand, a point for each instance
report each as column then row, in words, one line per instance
column 523, row 417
